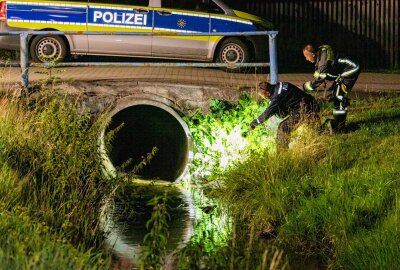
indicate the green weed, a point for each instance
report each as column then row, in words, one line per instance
column 222, row 136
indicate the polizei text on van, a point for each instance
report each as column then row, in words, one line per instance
column 127, row 18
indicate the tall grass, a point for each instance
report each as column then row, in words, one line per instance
column 52, row 169
column 26, row 243
column 335, row 198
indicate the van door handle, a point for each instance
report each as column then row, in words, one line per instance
column 141, row 10
column 164, row 12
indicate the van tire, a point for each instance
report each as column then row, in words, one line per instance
column 48, row 48
column 233, row 51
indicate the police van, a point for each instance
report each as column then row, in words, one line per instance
column 147, row 16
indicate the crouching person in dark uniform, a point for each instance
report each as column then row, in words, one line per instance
column 286, row 100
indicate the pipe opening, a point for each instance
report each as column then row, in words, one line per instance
column 144, row 127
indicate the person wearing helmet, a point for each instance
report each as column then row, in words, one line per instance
column 289, row 102
column 339, row 69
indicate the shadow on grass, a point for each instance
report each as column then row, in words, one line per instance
column 383, row 119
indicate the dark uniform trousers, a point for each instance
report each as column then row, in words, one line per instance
column 306, row 112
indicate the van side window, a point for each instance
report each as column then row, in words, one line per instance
column 192, row 5
column 123, row 2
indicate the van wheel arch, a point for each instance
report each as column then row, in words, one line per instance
column 249, row 49
column 63, row 37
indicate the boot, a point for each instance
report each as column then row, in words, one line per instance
column 340, row 122
column 332, row 126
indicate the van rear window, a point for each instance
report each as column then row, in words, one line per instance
column 122, row 2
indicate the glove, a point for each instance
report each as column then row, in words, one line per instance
column 307, row 87
column 254, row 124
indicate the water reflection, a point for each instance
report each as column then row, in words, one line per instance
column 127, row 214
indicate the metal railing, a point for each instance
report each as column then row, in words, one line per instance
column 24, row 52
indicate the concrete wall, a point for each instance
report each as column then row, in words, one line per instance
column 100, row 96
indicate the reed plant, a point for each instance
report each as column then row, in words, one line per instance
column 155, row 241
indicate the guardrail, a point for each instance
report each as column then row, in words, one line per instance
column 24, row 52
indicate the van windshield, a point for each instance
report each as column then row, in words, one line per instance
column 224, row 4
column 214, row 8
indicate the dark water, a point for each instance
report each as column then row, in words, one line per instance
column 127, row 215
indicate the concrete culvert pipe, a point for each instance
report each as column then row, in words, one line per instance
column 148, row 124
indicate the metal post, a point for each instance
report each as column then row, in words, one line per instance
column 273, row 62
column 24, row 60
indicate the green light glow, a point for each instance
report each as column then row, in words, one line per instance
column 212, row 228
column 225, row 144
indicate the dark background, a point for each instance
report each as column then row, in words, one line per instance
column 365, row 30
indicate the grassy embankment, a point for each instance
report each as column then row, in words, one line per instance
column 332, row 199
column 51, row 187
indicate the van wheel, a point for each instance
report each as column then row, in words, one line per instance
column 233, row 51
column 48, row 49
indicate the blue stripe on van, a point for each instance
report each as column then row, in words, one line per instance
column 46, row 13
column 221, row 25
column 115, row 17
column 182, row 22
column 26, row 7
